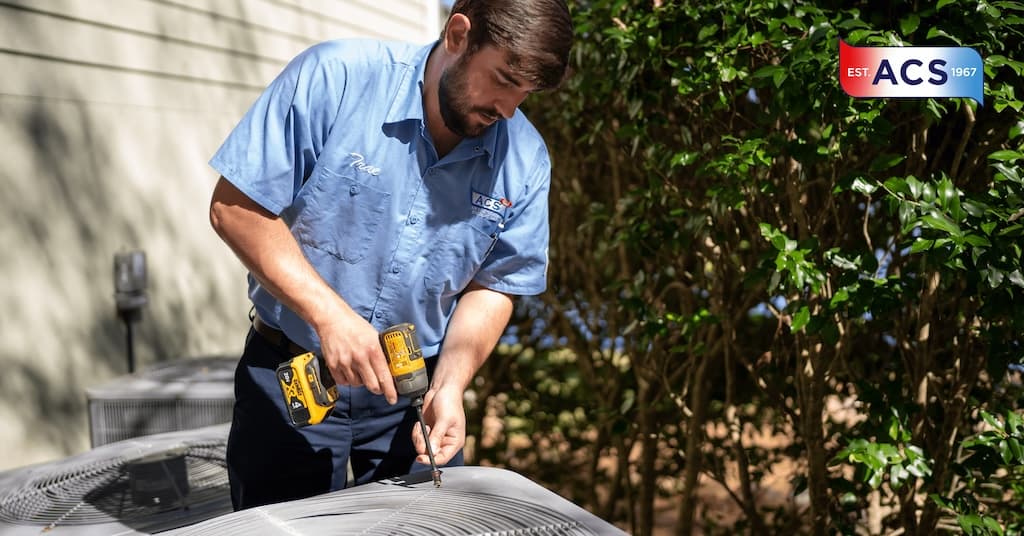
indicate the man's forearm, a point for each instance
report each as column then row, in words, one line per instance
column 477, row 324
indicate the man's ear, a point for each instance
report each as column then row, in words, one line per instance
column 456, row 34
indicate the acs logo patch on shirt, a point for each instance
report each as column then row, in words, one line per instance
column 488, row 207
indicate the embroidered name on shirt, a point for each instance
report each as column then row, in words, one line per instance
column 360, row 164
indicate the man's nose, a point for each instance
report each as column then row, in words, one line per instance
column 507, row 105
column 505, row 109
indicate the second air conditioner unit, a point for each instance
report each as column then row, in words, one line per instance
column 172, row 396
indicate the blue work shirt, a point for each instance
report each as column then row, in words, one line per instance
column 337, row 146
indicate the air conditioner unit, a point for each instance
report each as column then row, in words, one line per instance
column 178, row 395
column 137, row 486
column 470, row 501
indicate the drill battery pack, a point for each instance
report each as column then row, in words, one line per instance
column 308, row 388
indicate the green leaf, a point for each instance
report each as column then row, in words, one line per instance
column 976, row 210
column 897, row 185
column 977, row 241
column 940, row 222
column 779, row 77
column 801, row 318
column 907, row 214
column 863, row 186
column 916, row 187
column 886, row 161
column 1016, row 452
column 1016, row 130
column 970, row 523
column 946, row 192
column 935, row 32
column 1016, row 278
column 1008, row 172
column 1013, row 230
column 1006, row 156
column 909, row 23
column 992, row 526
column 919, row 468
column 779, row 242
column 706, row 32
column 994, row 277
column 991, row 420
column 684, row 158
column 768, row 71
column 921, row 244
column 897, row 474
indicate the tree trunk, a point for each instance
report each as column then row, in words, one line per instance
column 811, row 388
column 694, row 447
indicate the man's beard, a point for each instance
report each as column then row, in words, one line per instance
column 456, row 112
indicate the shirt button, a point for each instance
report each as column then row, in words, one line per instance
column 378, row 314
column 354, row 189
column 413, row 220
column 477, row 148
column 395, row 269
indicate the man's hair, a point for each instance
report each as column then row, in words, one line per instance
column 536, row 34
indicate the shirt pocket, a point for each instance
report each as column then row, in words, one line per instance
column 340, row 214
column 460, row 254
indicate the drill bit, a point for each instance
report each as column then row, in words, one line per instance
column 434, row 472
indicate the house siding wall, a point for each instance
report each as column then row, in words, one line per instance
column 109, row 112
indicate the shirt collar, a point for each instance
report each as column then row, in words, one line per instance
column 408, row 103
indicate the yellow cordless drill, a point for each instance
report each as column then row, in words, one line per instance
column 310, row 392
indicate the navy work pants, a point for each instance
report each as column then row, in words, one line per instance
column 270, row 461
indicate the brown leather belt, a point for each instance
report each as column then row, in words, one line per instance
column 276, row 337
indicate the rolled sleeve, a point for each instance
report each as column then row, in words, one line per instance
column 518, row 264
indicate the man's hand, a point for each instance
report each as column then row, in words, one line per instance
column 351, row 349
column 446, row 420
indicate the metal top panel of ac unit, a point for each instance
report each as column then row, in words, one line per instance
column 196, row 378
column 471, row 501
column 143, row 485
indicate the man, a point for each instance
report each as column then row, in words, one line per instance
column 372, row 184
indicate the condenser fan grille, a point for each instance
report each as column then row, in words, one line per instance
column 440, row 512
column 471, row 501
column 120, row 488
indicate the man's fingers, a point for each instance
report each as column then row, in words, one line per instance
column 442, row 454
column 443, row 446
column 342, row 374
column 369, row 378
column 386, row 382
column 417, row 441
